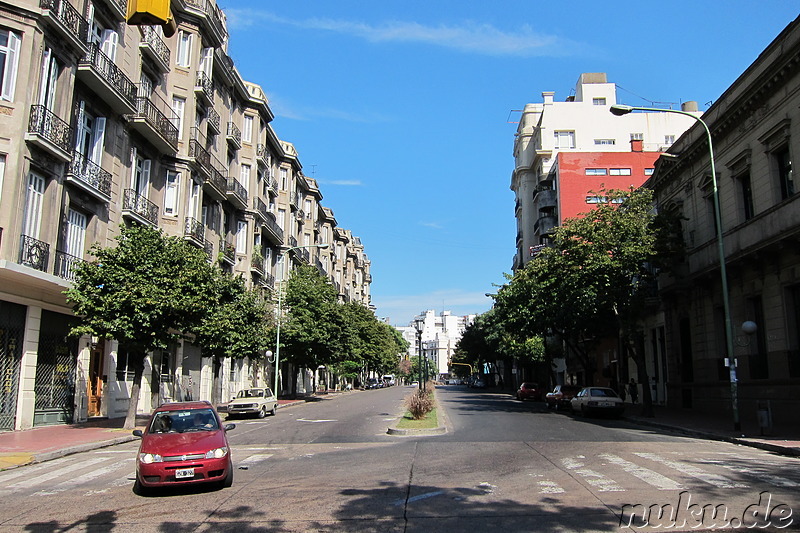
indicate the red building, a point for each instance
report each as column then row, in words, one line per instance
column 579, row 176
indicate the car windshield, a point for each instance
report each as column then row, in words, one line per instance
column 607, row 393
column 184, row 421
column 251, row 393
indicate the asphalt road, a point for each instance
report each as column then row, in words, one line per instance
column 503, row 465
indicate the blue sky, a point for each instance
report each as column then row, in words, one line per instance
column 403, row 110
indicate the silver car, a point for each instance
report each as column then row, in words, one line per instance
column 258, row 401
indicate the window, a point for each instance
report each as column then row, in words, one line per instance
column 171, row 193
column 34, row 195
column 47, row 90
column 605, row 141
column 90, row 132
column 76, row 233
column 140, row 175
column 284, row 177
column 669, row 139
column 247, row 129
column 619, row 172
column 596, row 172
column 308, row 209
column 564, row 139
column 783, row 163
column 649, row 171
column 178, row 106
column 2, row 173
column 194, row 200
column 637, row 136
column 746, row 190
column 207, row 62
column 599, row 101
column 9, row 61
column 245, row 176
column 184, row 55
column 282, row 219
column 793, row 329
column 241, row 236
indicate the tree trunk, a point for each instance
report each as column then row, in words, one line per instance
column 133, row 403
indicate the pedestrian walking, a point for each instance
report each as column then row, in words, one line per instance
column 633, row 390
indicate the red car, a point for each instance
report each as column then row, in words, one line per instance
column 529, row 391
column 184, row 443
column 561, row 396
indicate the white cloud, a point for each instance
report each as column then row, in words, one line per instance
column 400, row 309
column 467, row 37
column 434, row 225
column 342, row 183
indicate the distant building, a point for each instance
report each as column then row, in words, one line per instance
column 439, row 336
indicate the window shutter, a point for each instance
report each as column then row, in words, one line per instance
column 98, row 136
column 10, row 67
column 110, row 41
column 144, row 182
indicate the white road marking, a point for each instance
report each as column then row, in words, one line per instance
column 549, row 487
column 419, row 497
column 595, row 479
column 758, row 473
column 691, row 470
column 85, row 478
column 28, row 470
column 314, row 421
column 645, row 474
column 254, row 459
column 30, row 482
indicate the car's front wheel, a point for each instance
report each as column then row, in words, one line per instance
column 274, row 410
column 262, row 412
column 228, row 481
column 139, row 489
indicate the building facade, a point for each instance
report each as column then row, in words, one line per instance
column 581, row 123
column 106, row 124
column 435, row 337
column 755, row 126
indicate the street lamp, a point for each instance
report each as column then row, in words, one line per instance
column 419, row 323
column 620, row 110
column 282, row 261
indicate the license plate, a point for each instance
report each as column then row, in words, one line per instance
column 184, row 473
column 606, row 404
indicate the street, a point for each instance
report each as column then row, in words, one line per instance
column 503, row 465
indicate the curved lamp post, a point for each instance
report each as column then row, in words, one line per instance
column 620, row 110
column 282, row 260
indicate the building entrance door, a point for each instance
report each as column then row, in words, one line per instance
column 96, row 378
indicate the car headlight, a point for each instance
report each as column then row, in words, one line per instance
column 218, row 453
column 148, row 458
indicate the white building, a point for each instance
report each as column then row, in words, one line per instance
column 580, row 123
column 439, row 336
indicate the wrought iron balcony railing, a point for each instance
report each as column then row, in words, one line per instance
column 214, row 120
column 47, row 125
column 228, row 251
column 261, row 208
column 194, row 229
column 146, row 109
column 67, row 15
column 292, row 241
column 90, row 173
column 110, row 72
column 135, row 203
column 159, row 48
column 206, row 86
column 257, row 263
column 209, row 248
column 34, row 253
column 65, row 265
column 234, row 135
column 304, row 254
column 237, row 189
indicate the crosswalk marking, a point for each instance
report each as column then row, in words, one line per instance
column 592, row 477
column 691, row 470
column 254, row 459
column 645, row 474
column 30, row 482
column 758, row 473
column 549, row 487
column 85, row 478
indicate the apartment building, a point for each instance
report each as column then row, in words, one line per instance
column 438, row 336
column 103, row 124
column 580, row 123
column 755, row 126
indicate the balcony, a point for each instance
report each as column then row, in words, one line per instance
column 210, row 17
column 202, row 158
column 139, row 208
column 117, row 8
column 236, row 193
column 227, row 252
column 204, row 89
column 257, row 264
column 155, row 49
column 65, row 265
column 261, row 209
column 50, row 133
column 89, row 177
column 233, row 136
column 273, row 186
column 545, row 224
column 209, row 248
column 34, row 253
column 106, row 79
column 304, row 255
column 217, row 184
column 67, row 23
column 194, row 231
column 262, row 155
column 273, row 231
column 268, row 280
column 546, row 198
column 223, row 65
column 152, row 123
column 214, row 121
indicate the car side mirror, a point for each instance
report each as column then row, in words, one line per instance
column 137, row 432
column 229, row 427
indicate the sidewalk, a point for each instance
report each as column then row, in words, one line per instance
column 39, row 444
column 45, row 443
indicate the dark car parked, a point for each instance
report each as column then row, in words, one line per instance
column 529, row 391
column 561, row 396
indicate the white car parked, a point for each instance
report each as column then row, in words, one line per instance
column 253, row 402
column 597, row 400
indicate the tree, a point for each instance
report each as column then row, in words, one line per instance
column 236, row 323
column 143, row 292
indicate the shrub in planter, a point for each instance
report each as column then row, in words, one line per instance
column 419, row 403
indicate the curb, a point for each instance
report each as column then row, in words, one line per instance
column 782, row 450
column 440, row 430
